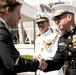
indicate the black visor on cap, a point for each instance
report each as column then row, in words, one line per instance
column 55, row 18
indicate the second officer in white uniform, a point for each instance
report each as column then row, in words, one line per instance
column 46, row 43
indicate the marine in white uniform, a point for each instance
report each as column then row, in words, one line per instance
column 46, row 43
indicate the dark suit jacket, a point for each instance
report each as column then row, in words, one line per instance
column 10, row 60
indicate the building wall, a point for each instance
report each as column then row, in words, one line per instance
column 29, row 26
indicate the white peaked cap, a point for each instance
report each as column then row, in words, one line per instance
column 39, row 17
column 63, row 8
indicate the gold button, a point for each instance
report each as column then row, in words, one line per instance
column 69, row 37
column 69, row 53
column 72, row 60
column 72, row 31
column 70, row 45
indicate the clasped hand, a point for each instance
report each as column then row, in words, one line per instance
column 43, row 64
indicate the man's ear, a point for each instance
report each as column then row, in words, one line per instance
column 69, row 16
column 7, row 10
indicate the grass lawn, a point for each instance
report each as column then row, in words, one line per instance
column 27, row 56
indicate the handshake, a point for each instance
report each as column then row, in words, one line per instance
column 43, row 65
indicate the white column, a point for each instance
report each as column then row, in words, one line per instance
column 21, row 33
column 71, row 2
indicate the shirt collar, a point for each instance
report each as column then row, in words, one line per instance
column 47, row 32
column 5, row 24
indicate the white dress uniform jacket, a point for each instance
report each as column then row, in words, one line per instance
column 46, row 45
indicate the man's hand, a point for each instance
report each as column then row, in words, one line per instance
column 43, row 64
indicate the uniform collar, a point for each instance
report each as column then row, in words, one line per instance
column 47, row 32
column 71, row 31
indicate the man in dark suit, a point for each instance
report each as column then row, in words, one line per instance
column 10, row 61
column 64, row 18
